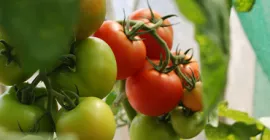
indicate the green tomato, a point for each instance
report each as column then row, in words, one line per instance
column 187, row 126
column 42, row 101
column 92, row 119
column 12, row 73
column 32, row 137
column 95, row 73
column 13, row 112
column 150, row 128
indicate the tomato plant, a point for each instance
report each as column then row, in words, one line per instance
column 92, row 14
column 189, row 68
column 153, row 93
column 150, row 128
column 41, row 101
column 95, row 70
column 157, row 98
column 10, row 71
column 187, row 126
column 91, row 119
column 13, row 112
column 153, row 47
column 130, row 55
column 193, row 99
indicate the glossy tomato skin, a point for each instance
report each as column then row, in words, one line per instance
column 12, row 73
column 150, row 128
column 166, row 33
column 92, row 119
column 130, row 55
column 95, row 72
column 92, row 14
column 152, row 93
column 187, row 126
column 193, row 99
column 12, row 112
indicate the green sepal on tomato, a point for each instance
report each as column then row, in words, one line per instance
column 130, row 55
column 153, row 93
column 13, row 113
column 95, row 70
column 11, row 73
column 150, row 128
column 187, row 126
column 91, row 119
column 153, row 47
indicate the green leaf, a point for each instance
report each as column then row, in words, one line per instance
column 213, row 38
column 266, row 135
column 238, row 116
column 40, row 30
column 217, row 133
column 197, row 16
column 237, row 131
column 245, row 131
column 244, row 5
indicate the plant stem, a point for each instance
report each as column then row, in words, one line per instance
column 165, row 48
column 131, row 113
column 49, row 88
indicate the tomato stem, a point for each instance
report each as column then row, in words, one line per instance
column 49, row 88
column 131, row 113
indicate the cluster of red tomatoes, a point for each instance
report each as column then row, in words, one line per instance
column 168, row 102
column 150, row 92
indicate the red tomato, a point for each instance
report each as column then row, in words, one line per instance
column 166, row 33
column 187, row 69
column 130, row 55
column 152, row 93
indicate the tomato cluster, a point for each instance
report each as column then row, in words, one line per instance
column 162, row 86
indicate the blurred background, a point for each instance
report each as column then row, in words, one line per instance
column 247, row 89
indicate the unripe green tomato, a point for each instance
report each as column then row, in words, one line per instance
column 150, row 128
column 187, row 126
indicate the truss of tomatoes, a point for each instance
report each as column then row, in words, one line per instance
column 110, row 54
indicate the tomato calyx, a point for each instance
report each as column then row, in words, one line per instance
column 165, row 118
column 70, row 100
column 155, row 20
column 25, row 92
column 67, row 63
column 181, row 59
column 7, row 52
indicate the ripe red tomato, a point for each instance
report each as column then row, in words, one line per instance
column 187, row 69
column 130, row 55
column 193, row 99
column 152, row 93
column 166, row 33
